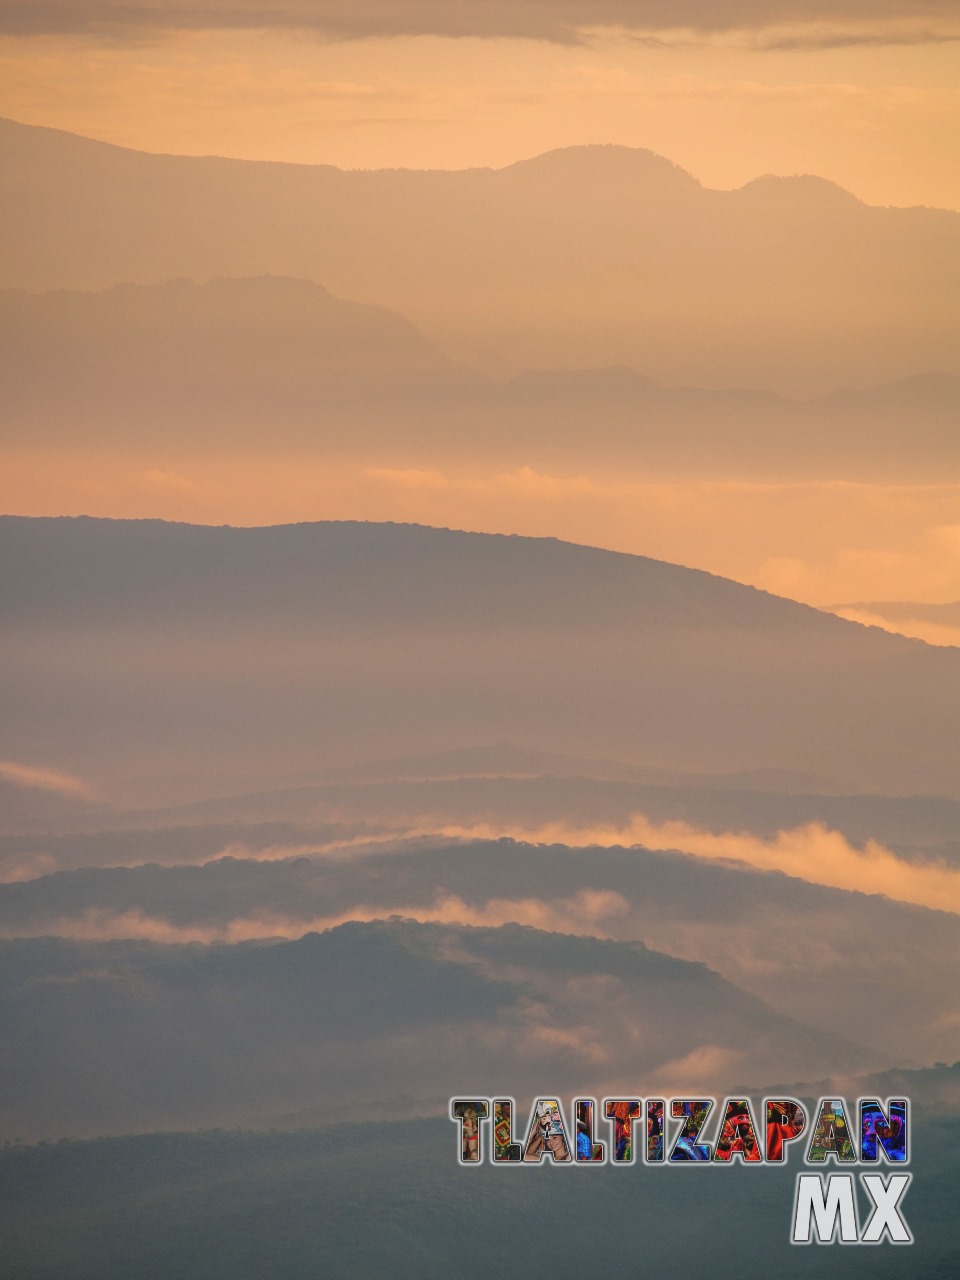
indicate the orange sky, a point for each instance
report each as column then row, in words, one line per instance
column 823, row 542
column 872, row 102
column 872, row 105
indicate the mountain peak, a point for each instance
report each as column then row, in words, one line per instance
column 798, row 189
column 606, row 160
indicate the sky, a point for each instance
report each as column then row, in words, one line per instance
column 864, row 94
column 823, row 542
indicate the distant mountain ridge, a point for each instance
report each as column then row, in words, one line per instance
column 344, row 640
column 22, row 140
column 179, row 345
column 720, row 912
column 287, row 1205
column 583, row 256
column 346, row 571
column 139, row 1037
column 281, row 364
column 585, row 163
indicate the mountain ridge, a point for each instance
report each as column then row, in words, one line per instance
column 522, row 266
column 346, row 638
column 609, row 153
column 377, row 536
column 320, row 1015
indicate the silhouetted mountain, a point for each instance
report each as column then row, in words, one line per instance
column 884, row 433
column 799, row 191
column 104, row 365
column 619, row 382
column 342, row 573
column 138, row 644
column 587, row 169
column 937, row 624
column 29, row 808
column 930, row 388
column 293, row 1206
column 762, row 930
column 934, row 1090
column 947, row 614
column 135, row 1036
column 588, row 255
column 276, row 365
column 367, row 800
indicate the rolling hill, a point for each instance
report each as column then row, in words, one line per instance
column 139, row 649
column 137, row 1036
column 783, row 939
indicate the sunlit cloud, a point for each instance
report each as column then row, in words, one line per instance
column 695, row 1071
column 583, row 913
column 156, row 480
column 28, row 866
column 27, row 775
column 938, row 633
column 819, row 541
column 812, row 852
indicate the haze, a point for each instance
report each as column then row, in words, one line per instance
column 863, row 94
column 480, row 605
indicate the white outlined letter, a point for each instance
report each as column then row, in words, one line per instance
column 812, row 1205
column 886, row 1215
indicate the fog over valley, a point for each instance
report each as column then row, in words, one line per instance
column 479, row 580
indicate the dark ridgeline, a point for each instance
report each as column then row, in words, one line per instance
column 762, row 931
column 187, row 647
column 143, row 1036
column 271, row 690
column 387, row 1199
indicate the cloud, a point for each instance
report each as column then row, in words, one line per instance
column 812, row 852
column 825, row 38
column 939, row 633
column 696, row 1071
column 342, row 848
column 583, row 913
column 29, row 866
column 810, row 539
column 26, row 775
column 902, row 554
column 557, row 21
column 156, row 480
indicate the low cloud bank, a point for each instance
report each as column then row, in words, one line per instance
column 812, row 852
column 583, row 913
column 557, row 21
